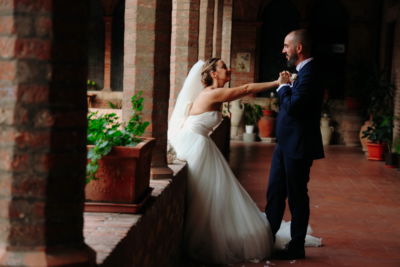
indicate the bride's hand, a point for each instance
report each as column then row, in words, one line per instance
column 284, row 77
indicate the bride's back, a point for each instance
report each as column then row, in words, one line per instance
column 204, row 103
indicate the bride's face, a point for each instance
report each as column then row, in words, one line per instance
column 222, row 74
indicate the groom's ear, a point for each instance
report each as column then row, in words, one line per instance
column 299, row 48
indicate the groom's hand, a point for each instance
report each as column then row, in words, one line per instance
column 284, row 77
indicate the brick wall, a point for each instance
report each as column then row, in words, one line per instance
column 184, row 44
column 217, row 32
column 206, row 27
column 147, row 67
column 227, row 32
column 244, row 40
column 43, row 71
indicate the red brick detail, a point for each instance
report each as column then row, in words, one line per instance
column 7, row 70
column 43, row 26
column 33, row 49
column 7, row 25
column 31, row 94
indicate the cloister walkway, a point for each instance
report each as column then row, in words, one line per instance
column 355, row 205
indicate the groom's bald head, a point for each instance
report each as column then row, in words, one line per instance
column 302, row 37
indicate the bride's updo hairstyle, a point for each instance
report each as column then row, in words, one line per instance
column 209, row 66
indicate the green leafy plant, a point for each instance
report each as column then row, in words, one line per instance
column 114, row 106
column 105, row 131
column 380, row 132
column 252, row 113
column 91, row 85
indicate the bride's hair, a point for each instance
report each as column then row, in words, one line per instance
column 209, row 66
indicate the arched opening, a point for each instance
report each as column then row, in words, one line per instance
column 96, row 45
column 117, row 52
column 98, row 52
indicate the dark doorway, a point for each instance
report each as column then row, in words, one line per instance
column 329, row 27
column 279, row 18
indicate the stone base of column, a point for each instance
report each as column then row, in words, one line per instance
column 161, row 173
column 61, row 256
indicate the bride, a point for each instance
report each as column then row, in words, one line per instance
column 222, row 224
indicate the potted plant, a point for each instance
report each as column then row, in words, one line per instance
column 118, row 169
column 379, row 136
column 252, row 113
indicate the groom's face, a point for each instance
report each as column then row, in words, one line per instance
column 289, row 50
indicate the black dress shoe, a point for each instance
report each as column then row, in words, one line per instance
column 289, row 254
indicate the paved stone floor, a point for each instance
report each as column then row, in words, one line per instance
column 355, row 205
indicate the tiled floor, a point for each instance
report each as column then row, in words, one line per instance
column 355, row 205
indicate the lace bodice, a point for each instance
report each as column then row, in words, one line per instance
column 203, row 123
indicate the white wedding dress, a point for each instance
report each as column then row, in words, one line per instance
column 222, row 223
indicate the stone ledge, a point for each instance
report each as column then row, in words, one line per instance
column 149, row 239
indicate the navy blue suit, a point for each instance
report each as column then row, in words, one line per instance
column 299, row 142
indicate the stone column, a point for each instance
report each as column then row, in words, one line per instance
column 107, row 52
column 43, row 72
column 146, row 68
column 217, row 32
column 226, row 32
column 206, row 27
column 184, row 43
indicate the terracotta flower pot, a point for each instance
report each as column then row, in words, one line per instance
column 124, row 178
column 266, row 124
column 375, row 151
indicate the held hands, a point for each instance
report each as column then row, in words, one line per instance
column 284, row 77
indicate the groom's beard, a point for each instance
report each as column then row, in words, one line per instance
column 291, row 63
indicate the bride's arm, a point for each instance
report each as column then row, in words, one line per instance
column 230, row 94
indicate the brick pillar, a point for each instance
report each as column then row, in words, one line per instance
column 146, row 68
column 206, row 27
column 217, row 33
column 226, row 32
column 184, row 43
column 107, row 52
column 43, row 71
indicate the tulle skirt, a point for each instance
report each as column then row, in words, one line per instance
column 223, row 224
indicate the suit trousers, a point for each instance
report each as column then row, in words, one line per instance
column 288, row 179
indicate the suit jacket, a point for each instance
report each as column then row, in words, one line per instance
column 298, row 121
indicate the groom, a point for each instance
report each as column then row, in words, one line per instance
column 298, row 144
